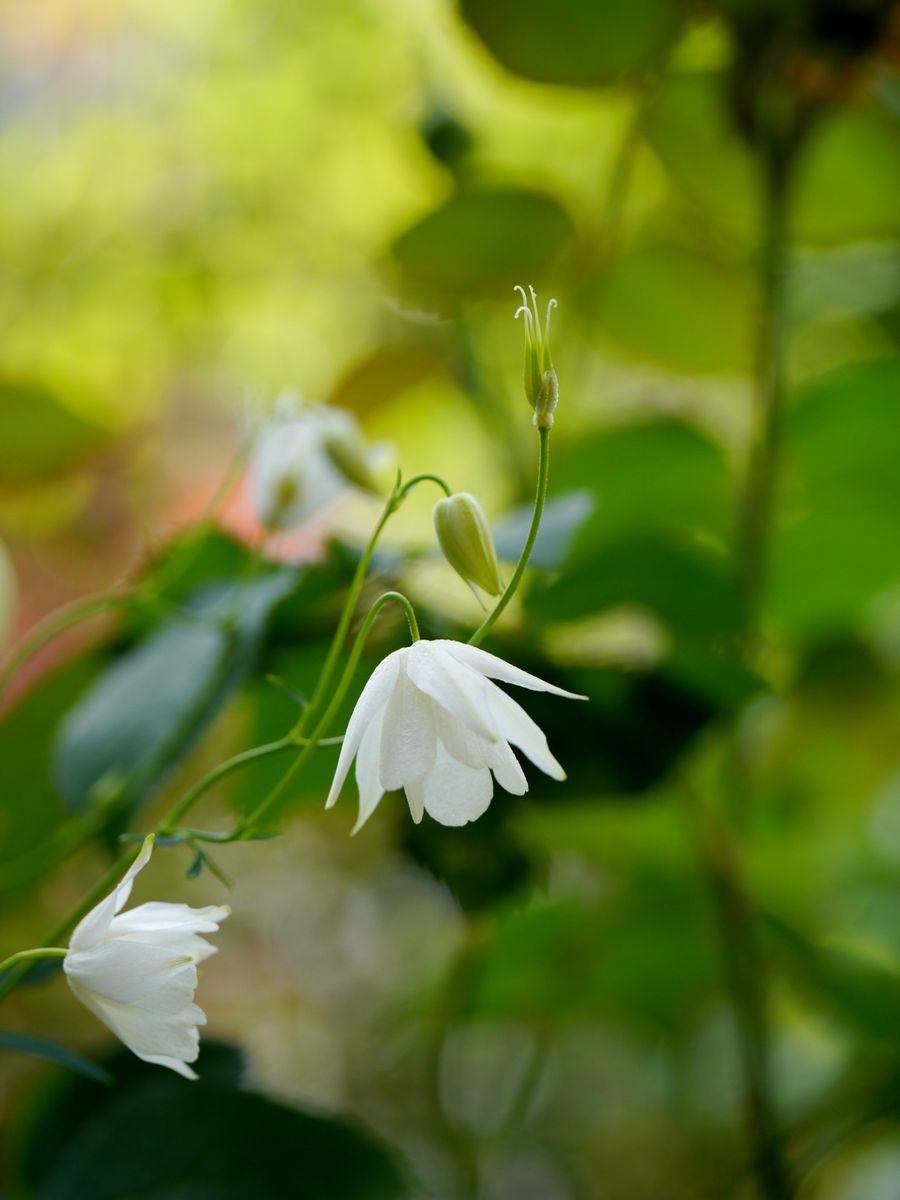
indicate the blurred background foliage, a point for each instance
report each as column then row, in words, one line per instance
column 674, row 976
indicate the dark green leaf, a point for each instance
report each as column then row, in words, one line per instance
column 61, row 1055
column 688, row 587
column 578, row 42
column 31, row 804
column 485, row 242
column 147, row 709
column 157, row 1135
column 648, row 476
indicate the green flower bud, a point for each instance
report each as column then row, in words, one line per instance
column 541, row 383
column 348, row 454
column 465, row 538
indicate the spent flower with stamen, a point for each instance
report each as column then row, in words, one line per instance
column 541, row 383
column 432, row 721
column 137, row 971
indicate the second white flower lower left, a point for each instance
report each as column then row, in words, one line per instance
column 137, row 971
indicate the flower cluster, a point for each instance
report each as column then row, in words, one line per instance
column 431, row 721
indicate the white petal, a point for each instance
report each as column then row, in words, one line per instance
column 495, row 668
column 443, row 679
column 517, row 727
column 464, row 745
column 415, row 798
column 509, row 773
column 135, row 973
column 407, row 735
column 367, row 767
column 154, row 1038
column 373, row 696
column 93, row 928
column 456, row 794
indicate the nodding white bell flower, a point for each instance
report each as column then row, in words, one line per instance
column 137, row 971
column 431, row 721
column 303, row 458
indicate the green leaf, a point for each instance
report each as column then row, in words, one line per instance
column 61, row 1055
column 485, row 242
column 31, row 802
column 848, row 179
column 648, row 476
column 146, row 709
column 40, row 438
column 563, row 516
column 839, row 499
column 645, row 957
column 157, row 1135
column 576, row 42
column 673, row 306
column 687, row 586
column 865, row 995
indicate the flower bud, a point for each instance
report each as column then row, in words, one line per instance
column 465, row 539
column 541, row 383
column 347, row 453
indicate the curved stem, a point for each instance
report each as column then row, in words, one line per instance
column 539, row 499
column 26, row 955
column 340, row 635
column 425, row 477
column 56, row 623
column 223, row 770
column 254, row 817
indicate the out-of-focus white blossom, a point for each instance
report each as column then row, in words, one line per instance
column 137, row 971
column 431, row 721
column 304, row 457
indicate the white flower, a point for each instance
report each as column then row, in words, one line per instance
column 303, row 458
column 137, row 971
column 430, row 721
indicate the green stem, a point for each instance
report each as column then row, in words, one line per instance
column 222, row 771
column 38, row 952
column 56, row 623
column 539, row 499
column 755, row 514
column 742, row 957
column 100, row 889
column 425, row 477
column 253, row 818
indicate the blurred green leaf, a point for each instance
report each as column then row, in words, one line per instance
column 673, row 306
column 562, row 518
column 660, row 475
column 32, row 808
column 150, row 705
column 848, row 180
column 840, row 499
column 155, row 1135
column 687, row 586
column 576, row 42
column 61, row 1055
column 485, row 242
column 863, row 994
column 40, row 437
column 644, row 957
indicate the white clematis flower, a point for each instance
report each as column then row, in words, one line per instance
column 303, row 458
column 430, row 721
column 137, row 971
